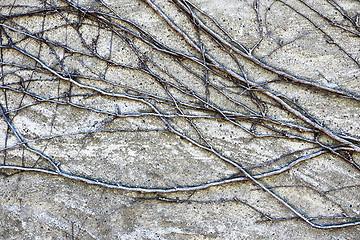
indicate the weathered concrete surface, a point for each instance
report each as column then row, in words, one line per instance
column 41, row 206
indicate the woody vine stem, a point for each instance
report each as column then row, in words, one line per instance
column 206, row 80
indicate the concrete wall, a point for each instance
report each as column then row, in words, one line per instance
column 137, row 120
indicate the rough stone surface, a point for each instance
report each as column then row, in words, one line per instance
column 37, row 205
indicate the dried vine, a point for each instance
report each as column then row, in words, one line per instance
column 182, row 90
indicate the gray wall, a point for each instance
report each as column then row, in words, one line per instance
column 179, row 120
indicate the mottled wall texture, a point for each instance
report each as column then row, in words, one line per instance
column 180, row 119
